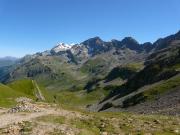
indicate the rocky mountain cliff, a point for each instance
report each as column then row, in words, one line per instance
column 93, row 57
column 127, row 70
column 153, row 89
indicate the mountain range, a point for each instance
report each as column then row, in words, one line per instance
column 143, row 78
column 7, row 61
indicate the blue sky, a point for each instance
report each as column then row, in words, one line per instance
column 29, row 26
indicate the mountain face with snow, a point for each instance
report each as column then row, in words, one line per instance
column 93, row 57
column 125, row 50
column 96, row 46
column 61, row 47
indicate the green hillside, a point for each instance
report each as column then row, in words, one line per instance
column 31, row 89
column 79, row 98
column 8, row 96
column 23, row 86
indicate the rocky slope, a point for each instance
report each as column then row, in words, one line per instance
column 52, row 119
column 152, row 88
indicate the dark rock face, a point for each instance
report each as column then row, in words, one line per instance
column 37, row 71
column 158, row 67
column 131, row 43
column 161, row 69
column 165, row 42
column 120, row 72
column 95, row 46
column 93, row 42
column 147, row 47
column 116, row 43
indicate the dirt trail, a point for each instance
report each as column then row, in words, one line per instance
column 11, row 118
column 7, row 118
column 38, row 93
column 74, row 122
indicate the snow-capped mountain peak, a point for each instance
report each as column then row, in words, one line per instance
column 61, row 47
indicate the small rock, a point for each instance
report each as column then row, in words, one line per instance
column 24, row 107
column 156, row 121
column 176, row 131
column 104, row 133
column 147, row 134
column 146, row 122
column 103, row 125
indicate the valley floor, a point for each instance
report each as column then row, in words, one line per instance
column 58, row 120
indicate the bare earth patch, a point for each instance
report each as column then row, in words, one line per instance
column 53, row 120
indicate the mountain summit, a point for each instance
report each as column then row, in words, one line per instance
column 61, row 47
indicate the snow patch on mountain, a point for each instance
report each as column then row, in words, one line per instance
column 62, row 47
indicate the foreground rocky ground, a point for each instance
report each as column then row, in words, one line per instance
column 29, row 118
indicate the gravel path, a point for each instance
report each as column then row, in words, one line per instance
column 10, row 118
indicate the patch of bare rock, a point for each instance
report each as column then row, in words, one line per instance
column 24, row 105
